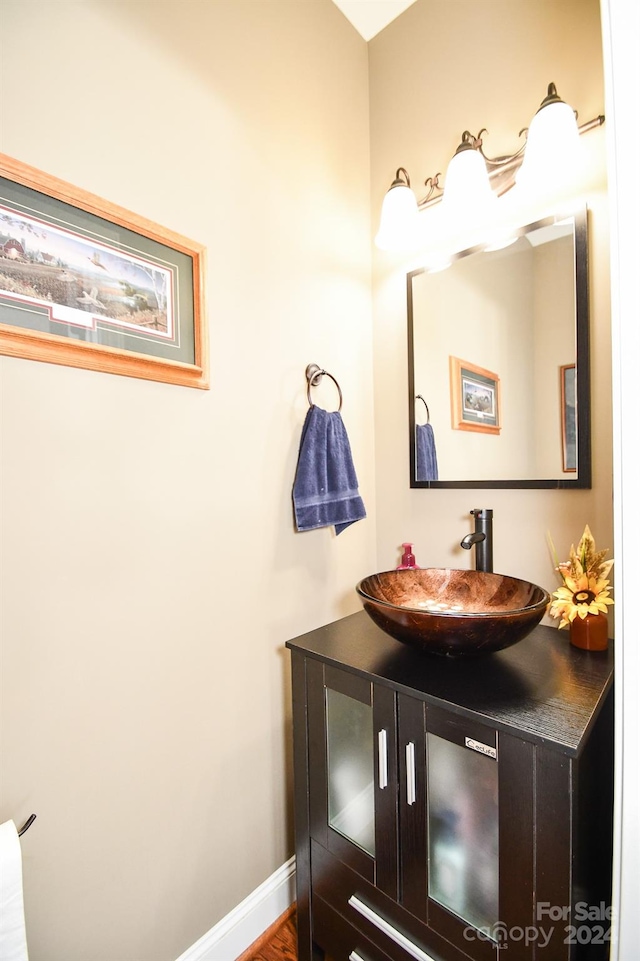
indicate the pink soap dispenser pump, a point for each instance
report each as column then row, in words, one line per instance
column 408, row 560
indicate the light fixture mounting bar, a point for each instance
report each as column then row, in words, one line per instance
column 501, row 170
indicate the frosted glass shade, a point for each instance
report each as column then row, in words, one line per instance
column 467, row 190
column 552, row 154
column 398, row 219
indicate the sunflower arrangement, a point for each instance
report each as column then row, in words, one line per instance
column 585, row 587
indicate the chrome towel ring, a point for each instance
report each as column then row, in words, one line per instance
column 313, row 373
column 420, row 397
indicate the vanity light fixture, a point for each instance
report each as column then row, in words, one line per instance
column 467, row 190
column 469, row 199
column 474, row 181
column 553, row 152
column 399, row 216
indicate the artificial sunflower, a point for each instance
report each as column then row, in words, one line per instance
column 585, row 587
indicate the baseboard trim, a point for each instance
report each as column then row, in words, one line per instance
column 266, row 939
column 231, row 936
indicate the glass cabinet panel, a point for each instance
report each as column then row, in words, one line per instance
column 463, row 831
column 350, row 763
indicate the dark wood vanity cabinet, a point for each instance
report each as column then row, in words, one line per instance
column 451, row 809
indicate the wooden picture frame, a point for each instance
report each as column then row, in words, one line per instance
column 568, row 418
column 475, row 397
column 85, row 283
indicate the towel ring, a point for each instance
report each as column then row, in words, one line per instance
column 420, row 397
column 313, row 373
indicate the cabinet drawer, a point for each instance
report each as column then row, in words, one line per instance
column 339, row 939
column 395, row 932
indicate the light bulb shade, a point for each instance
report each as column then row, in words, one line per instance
column 398, row 219
column 467, row 191
column 552, row 156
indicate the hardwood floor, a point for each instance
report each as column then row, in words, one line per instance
column 278, row 943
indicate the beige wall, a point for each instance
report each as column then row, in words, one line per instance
column 434, row 74
column 151, row 574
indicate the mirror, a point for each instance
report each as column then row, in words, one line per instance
column 499, row 364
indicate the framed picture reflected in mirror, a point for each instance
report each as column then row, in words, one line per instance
column 568, row 416
column 475, row 397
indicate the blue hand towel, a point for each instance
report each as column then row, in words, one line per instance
column 426, row 458
column 325, row 490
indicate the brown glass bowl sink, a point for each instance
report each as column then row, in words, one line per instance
column 452, row 612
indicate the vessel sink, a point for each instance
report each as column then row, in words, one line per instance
column 453, row 612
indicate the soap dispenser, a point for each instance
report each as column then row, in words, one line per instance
column 408, row 560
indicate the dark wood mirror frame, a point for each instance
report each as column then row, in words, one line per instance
column 582, row 479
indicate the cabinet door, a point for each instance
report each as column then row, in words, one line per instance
column 462, row 823
column 353, row 772
column 465, row 828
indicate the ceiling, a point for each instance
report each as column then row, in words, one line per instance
column 369, row 17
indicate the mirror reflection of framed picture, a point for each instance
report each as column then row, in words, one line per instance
column 475, row 397
column 568, row 416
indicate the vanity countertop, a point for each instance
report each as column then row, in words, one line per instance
column 542, row 688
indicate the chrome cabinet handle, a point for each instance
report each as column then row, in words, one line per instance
column 383, row 762
column 410, row 757
column 354, row 956
column 412, row 949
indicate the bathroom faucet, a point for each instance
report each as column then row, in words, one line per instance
column 482, row 537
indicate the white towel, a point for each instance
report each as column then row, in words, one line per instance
column 13, row 937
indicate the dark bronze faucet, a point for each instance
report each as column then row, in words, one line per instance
column 482, row 537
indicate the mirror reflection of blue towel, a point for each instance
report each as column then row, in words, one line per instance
column 426, row 458
column 325, row 490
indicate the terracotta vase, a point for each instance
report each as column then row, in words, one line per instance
column 590, row 633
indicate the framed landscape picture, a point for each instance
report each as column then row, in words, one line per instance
column 475, row 397
column 85, row 283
